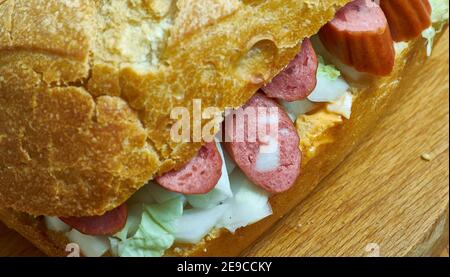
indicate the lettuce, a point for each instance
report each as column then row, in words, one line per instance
column 439, row 16
column 154, row 234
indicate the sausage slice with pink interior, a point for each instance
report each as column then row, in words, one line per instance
column 271, row 161
column 104, row 225
column 199, row 176
column 298, row 79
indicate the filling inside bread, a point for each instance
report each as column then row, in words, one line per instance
column 315, row 89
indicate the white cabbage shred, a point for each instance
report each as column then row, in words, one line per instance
column 439, row 16
column 155, row 222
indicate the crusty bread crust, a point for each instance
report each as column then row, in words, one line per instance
column 86, row 87
column 369, row 106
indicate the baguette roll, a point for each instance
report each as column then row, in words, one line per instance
column 85, row 101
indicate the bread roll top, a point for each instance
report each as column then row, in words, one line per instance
column 87, row 87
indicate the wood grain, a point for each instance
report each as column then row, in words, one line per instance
column 384, row 193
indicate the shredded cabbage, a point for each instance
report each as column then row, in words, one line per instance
column 296, row 108
column 160, row 194
column 250, row 203
column 133, row 221
column 151, row 240
column 143, row 195
column 440, row 10
column 55, row 224
column 330, row 86
column 166, row 214
column 400, row 47
column 155, row 232
column 229, row 163
column 195, row 224
column 439, row 15
column 151, row 229
column 90, row 246
column 329, row 70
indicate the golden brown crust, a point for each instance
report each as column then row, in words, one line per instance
column 368, row 107
column 34, row 230
column 86, row 87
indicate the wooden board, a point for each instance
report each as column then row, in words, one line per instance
column 383, row 197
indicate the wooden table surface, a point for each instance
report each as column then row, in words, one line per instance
column 385, row 199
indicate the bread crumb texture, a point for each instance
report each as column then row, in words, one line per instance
column 87, row 86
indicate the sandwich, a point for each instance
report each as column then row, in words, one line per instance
column 148, row 128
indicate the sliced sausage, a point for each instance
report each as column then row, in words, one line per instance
column 298, row 79
column 277, row 167
column 104, row 225
column 199, row 176
column 359, row 36
column 407, row 18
